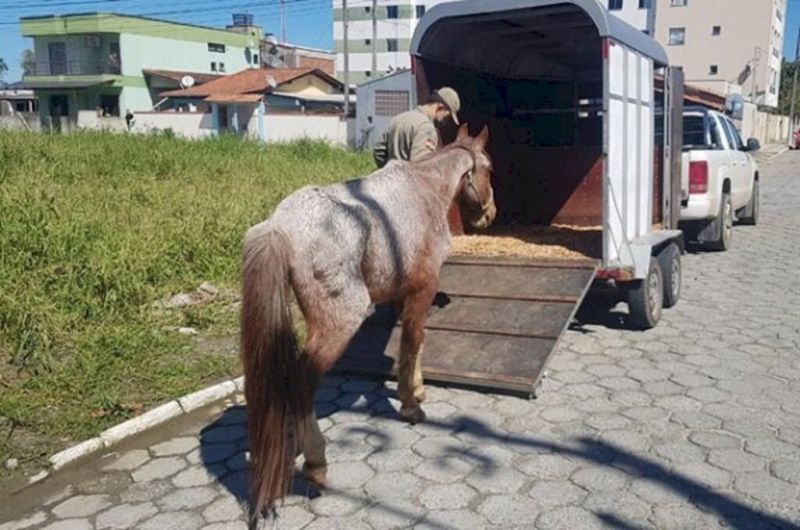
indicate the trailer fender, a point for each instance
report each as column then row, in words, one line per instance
column 646, row 246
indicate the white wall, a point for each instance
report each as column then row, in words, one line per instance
column 289, row 127
column 366, row 133
column 88, row 119
column 185, row 124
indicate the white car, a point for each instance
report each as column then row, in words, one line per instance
column 720, row 178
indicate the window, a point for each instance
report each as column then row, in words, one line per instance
column 391, row 45
column 713, row 69
column 392, row 12
column 213, row 66
column 368, row 9
column 216, row 48
column 109, row 105
column 614, row 5
column 677, row 36
column 716, row 31
column 730, row 133
column 677, row 3
column 391, row 102
column 221, row 67
column 737, row 140
column 644, row 4
column 255, row 58
column 420, row 11
column 367, row 42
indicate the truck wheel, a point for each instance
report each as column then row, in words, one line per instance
column 750, row 212
column 646, row 298
column 669, row 260
column 724, row 225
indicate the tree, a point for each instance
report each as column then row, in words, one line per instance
column 3, row 68
column 28, row 62
column 785, row 98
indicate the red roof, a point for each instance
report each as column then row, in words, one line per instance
column 177, row 75
column 248, row 82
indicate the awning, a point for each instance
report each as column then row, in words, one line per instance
column 55, row 84
column 234, row 98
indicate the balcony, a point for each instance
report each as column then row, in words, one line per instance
column 110, row 66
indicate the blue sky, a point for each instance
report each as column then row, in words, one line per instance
column 309, row 21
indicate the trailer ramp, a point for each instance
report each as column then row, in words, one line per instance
column 493, row 324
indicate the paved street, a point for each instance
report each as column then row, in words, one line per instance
column 695, row 424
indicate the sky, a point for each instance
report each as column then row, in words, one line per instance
column 309, row 22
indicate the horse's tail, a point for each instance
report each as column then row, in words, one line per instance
column 275, row 391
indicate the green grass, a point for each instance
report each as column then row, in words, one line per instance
column 96, row 227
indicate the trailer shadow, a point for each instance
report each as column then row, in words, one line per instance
column 233, row 476
column 601, row 309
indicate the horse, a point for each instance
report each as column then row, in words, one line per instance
column 341, row 249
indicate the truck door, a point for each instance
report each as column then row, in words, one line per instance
column 740, row 164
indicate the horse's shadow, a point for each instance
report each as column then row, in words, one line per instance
column 223, row 453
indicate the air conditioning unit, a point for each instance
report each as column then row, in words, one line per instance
column 92, row 41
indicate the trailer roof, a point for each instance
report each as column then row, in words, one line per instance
column 526, row 20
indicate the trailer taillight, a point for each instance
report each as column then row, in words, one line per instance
column 698, row 177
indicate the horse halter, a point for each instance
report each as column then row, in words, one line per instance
column 470, row 175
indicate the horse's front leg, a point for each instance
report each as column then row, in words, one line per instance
column 410, row 385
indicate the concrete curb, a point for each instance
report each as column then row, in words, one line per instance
column 152, row 418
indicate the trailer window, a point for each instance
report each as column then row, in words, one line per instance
column 694, row 131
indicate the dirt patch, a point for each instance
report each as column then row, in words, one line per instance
column 535, row 241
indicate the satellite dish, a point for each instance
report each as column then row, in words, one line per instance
column 187, row 81
column 271, row 81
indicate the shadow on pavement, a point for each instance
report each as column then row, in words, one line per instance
column 224, row 441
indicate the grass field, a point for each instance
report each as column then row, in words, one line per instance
column 95, row 228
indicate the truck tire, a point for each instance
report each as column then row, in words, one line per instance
column 724, row 225
column 669, row 259
column 749, row 214
column 646, row 298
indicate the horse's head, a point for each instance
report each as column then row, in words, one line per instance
column 477, row 196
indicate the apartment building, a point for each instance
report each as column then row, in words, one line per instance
column 396, row 20
column 110, row 62
column 728, row 46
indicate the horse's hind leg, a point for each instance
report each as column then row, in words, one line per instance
column 410, row 385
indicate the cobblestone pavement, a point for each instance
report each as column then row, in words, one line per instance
column 695, row 424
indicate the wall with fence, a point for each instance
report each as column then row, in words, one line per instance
column 21, row 121
column 766, row 128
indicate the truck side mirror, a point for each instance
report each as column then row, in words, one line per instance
column 753, row 144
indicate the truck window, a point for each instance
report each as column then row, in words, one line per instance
column 694, row 131
column 735, row 132
column 729, row 134
column 716, row 137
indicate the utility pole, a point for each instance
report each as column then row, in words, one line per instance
column 283, row 21
column 794, row 90
column 345, row 21
column 374, row 38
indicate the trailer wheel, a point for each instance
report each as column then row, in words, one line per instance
column 646, row 298
column 670, row 261
column 750, row 212
column 724, row 224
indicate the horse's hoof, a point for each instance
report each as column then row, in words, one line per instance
column 420, row 395
column 316, row 476
column 413, row 415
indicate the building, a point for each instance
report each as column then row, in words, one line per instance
column 242, row 103
column 104, row 62
column 15, row 100
column 276, row 54
column 377, row 101
column 638, row 13
column 728, row 46
column 395, row 22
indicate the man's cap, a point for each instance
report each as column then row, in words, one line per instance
column 451, row 99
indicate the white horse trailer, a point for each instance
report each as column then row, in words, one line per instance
column 576, row 102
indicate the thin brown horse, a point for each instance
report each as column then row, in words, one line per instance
column 340, row 249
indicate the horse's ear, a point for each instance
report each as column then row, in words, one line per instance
column 463, row 132
column 483, row 137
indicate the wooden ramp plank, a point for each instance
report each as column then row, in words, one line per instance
column 493, row 325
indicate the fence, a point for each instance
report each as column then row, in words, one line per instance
column 766, row 128
column 21, row 121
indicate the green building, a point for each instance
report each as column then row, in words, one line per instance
column 109, row 63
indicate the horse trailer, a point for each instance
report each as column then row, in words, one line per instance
column 585, row 121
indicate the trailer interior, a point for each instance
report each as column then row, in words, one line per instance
column 535, row 77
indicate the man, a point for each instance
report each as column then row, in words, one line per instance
column 412, row 135
column 129, row 118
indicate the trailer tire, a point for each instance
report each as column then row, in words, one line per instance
column 724, row 225
column 750, row 212
column 670, row 261
column 646, row 298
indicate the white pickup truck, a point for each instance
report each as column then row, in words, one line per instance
column 720, row 178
